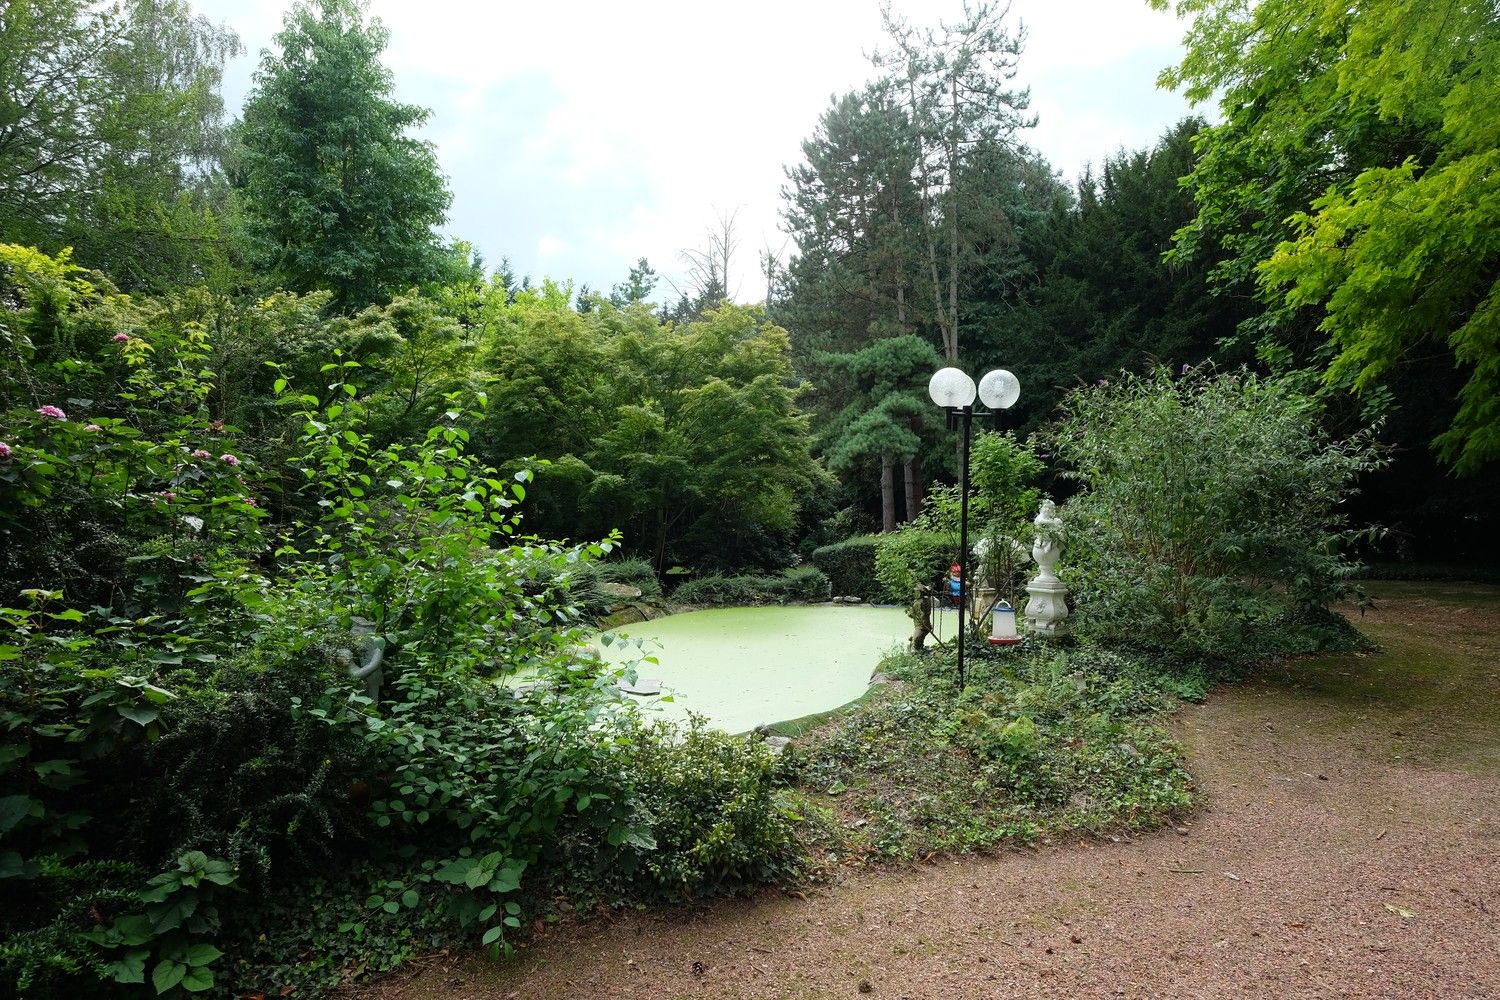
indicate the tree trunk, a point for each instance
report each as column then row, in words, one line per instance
column 913, row 489
column 887, row 495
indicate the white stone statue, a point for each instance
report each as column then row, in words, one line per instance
column 369, row 670
column 1048, row 605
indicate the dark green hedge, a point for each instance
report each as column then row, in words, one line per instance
column 850, row 566
column 804, row 583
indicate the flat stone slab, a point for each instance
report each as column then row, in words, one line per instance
column 623, row 590
column 642, row 686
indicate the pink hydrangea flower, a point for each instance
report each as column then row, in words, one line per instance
column 5, row 452
column 229, row 460
column 167, row 495
column 200, row 453
column 120, row 338
column 52, row 411
column 93, row 427
column 251, row 501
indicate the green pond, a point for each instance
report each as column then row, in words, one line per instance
column 744, row 667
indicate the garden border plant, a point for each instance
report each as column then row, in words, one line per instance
column 206, row 690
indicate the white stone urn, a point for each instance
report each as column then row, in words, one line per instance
column 1048, row 607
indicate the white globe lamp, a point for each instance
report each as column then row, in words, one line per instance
column 999, row 389
column 951, row 388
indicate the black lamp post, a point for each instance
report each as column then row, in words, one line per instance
column 954, row 391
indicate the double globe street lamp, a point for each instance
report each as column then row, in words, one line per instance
column 954, row 391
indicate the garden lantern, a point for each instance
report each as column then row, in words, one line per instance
column 954, row 391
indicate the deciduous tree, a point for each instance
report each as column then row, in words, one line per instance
column 1356, row 180
column 339, row 194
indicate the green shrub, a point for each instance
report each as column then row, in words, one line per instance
column 1212, row 504
column 850, row 567
column 723, row 590
column 717, row 817
column 1002, row 496
column 912, row 556
column 276, row 807
column 802, row 583
column 636, row 573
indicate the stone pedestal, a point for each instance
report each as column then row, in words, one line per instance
column 1047, row 611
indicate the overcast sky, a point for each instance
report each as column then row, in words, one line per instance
column 580, row 136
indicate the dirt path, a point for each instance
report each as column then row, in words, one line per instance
column 1349, row 846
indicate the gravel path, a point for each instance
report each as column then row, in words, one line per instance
column 1348, row 846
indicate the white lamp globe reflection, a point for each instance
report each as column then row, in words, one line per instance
column 951, row 388
column 999, row 389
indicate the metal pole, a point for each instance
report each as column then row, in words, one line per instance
column 963, row 544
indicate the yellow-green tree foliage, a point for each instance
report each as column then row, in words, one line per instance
column 1356, row 171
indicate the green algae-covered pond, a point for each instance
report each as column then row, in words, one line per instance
column 742, row 667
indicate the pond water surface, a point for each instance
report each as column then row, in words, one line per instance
column 744, row 667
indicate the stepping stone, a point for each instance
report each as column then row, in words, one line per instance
column 642, row 686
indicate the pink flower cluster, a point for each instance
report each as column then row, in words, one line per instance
column 200, row 453
column 5, row 451
column 120, row 338
column 52, row 411
column 229, row 460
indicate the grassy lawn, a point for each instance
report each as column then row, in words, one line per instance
column 1429, row 695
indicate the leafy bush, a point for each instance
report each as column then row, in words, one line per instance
column 637, row 573
column 801, row 583
column 850, row 567
column 913, row 556
column 804, row 583
column 1002, row 495
column 215, row 755
column 717, row 818
column 1211, row 505
column 723, row 590
column 177, row 721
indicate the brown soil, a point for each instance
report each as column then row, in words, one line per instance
column 1348, row 846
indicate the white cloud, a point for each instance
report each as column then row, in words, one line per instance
column 579, row 137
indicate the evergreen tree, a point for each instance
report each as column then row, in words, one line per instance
column 636, row 287
column 853, row 208
column 887, row 419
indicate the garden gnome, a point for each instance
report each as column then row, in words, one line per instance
column 1048, row 605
